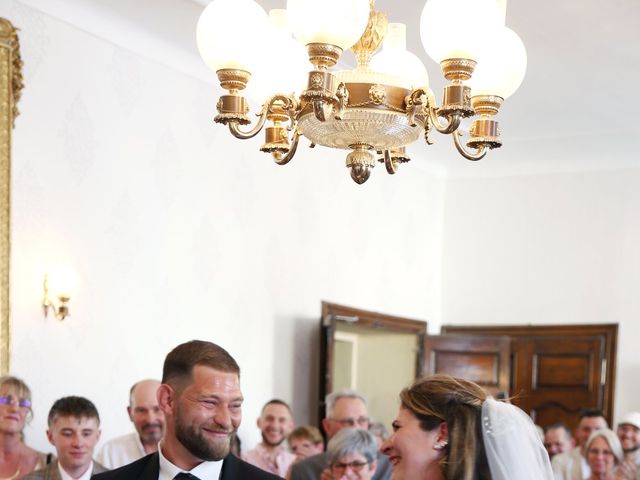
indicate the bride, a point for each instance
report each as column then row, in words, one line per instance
column 449, row 429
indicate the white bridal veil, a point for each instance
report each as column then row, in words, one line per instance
column 513, row 446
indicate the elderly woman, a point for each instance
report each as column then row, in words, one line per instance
column 604, row 453
column 16, row 459
column 449, row 429
column 352, row 455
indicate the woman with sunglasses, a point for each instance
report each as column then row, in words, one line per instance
column 352, row 455
column 449, row 428
column 16, row 459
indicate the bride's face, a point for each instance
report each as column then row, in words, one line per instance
column 411, row 450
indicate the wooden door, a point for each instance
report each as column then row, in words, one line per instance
column 480, row 358
column 557, row 377
column 559, row 370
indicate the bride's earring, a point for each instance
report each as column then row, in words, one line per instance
column 440, row 445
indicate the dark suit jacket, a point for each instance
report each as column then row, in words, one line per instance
column 311, row 467
column 148, row 468
column 51, row 472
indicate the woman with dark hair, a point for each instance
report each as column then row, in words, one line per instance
column 16, row 459
column 450, row 429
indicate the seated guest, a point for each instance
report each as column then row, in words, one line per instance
column 604, row 453
column 16, row 459
column 353, row 453
column 558, row 439
column 74, row 431
column 275, row 423
column 305, row 441
column 629, row 435
column 572, row 465
column 379, row 432
column 148, row 421
column 345, row 409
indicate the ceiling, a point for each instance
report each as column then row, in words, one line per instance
column 573, row 112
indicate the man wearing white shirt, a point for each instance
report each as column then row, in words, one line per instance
column 572, row 465
column 148, row 420
column 202, row 402
column 74, row 430
column 629, row 435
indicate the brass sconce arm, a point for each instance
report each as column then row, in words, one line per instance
column 474, row 156
column 61, row 311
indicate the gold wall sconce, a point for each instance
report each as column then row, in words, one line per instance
column 56, row 299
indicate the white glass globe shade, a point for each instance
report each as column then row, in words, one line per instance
column 230, row 32
column 336, row 22
column 452, row 28
column 403, row 67
column 501, row 65
column 286, row 76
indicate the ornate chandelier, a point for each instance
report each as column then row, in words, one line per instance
column 377, row 108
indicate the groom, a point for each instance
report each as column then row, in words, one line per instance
column 202, row 403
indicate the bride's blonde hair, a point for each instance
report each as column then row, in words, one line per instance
column 442, row 398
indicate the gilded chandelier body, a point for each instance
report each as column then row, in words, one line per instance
column 358, row 110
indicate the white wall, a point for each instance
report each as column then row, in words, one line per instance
column 560, row 248
column 178, row 231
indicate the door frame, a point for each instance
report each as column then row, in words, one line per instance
column 333, row 313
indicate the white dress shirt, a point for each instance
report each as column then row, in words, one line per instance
column 85, row 476
column 204, row 471
column 121, row 451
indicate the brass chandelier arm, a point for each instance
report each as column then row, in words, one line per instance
column 390, row 165
column 281, row 159
column 451, row 126
column 473, row 156
column 234, row 127
column 453, row 120
column 288, row 104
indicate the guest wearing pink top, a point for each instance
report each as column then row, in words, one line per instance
column 275, row 423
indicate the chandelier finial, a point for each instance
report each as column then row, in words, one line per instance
column 372, row 37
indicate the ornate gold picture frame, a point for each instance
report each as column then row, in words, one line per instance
column 10, row 89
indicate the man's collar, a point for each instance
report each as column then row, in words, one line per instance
column 65, row 476
column 205, row 471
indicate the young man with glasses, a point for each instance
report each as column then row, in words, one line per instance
column 345, row 409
